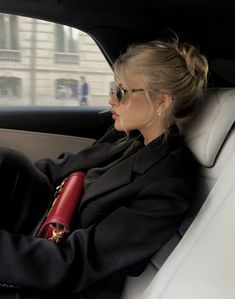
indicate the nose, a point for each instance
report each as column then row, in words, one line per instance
column 112, row 100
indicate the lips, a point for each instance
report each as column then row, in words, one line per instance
column 114, row 114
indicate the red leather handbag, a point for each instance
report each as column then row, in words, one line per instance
column 58, row 222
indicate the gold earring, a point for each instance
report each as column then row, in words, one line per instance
column 159, row 112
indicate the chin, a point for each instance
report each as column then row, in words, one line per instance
column 118, row 127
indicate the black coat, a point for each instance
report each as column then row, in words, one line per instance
column 125, row 216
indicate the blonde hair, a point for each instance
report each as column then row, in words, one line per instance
column 172, row 67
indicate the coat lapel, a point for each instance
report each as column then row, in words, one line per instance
column 157, row 150
column 139, row 162
column 150, row 155
column 114, row 178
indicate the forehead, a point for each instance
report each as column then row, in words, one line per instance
column 128, row 78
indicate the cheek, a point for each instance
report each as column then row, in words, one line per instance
column 140, row 111
column 134, row 116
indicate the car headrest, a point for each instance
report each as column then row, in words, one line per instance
column 211, row 124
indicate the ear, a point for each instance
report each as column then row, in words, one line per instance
column 164, row 101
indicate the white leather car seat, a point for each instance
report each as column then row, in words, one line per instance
column 202, row 266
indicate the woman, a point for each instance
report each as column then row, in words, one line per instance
column 138, row 186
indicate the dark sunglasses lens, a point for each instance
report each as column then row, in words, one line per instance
column 119, row 93
column 111, row 92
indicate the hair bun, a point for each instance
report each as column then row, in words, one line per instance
column 196, row 63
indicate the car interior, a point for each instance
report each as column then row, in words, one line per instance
column 198, row 262
column 201, row 265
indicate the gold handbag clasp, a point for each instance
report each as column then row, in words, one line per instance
column 56, row 236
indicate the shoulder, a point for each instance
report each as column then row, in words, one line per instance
column 179, row 158
column 176, row 161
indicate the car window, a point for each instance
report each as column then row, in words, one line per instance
column 43, row 63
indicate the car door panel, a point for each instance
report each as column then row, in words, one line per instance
column 46, row 132
column 37, row 145
column 73, row 121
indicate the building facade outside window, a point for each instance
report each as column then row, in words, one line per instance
column 66, row 89
column 8, row 32
column 50, row 61
column 66, row 39
column 10, row 87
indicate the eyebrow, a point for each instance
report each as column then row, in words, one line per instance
column 121, row 86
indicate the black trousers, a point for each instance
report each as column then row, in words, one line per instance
column 25, row 196
column 25, row 193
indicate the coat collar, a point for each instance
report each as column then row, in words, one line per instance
column 156, row 150
column 139, row 162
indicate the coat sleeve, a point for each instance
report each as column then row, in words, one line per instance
column 129, row 235
column 52, row 167
column 55, row 169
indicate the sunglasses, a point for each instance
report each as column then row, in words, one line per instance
column 120, row 92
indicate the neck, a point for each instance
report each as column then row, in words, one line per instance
column 152, row 133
